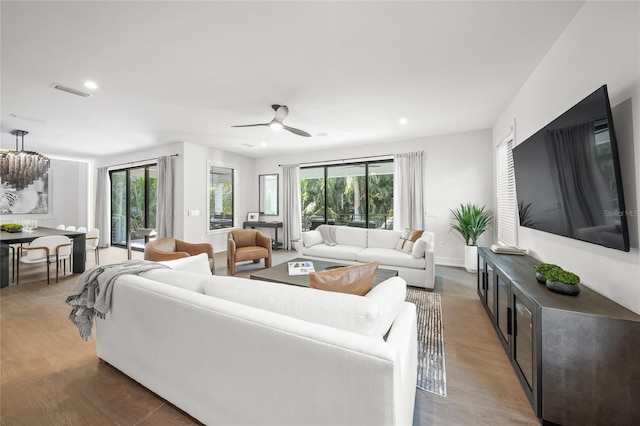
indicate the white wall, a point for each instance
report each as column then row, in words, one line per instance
column 458, row 170
column 600, row 46
column 194, row 228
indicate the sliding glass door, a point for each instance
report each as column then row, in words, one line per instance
column 133, row 203
column 355, row 194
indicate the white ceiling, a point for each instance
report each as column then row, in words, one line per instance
column 187, row 71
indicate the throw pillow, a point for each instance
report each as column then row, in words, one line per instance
column 407, row 240
column 183, row 279
column 390, row 296
column 419, row 248
column 311, row 238
column 356, row 279
column 197, row 264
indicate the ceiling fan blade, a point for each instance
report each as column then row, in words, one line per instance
column 297, row 131
column 252, row 125
column 281, row 111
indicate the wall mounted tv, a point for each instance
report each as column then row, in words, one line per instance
column 568, row 178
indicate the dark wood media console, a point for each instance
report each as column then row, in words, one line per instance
column 577, row 357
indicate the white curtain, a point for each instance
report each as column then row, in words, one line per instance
column 164, row 217
column 292, row 223
column 103, row 207
column 408, row 192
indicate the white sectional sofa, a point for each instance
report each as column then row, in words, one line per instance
column 232, row 351
column 359, row 245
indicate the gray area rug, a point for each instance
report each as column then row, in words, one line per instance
column 431, row 369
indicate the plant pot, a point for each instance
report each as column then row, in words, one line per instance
column 471, row 258
column 541, row 278
column 563, row 288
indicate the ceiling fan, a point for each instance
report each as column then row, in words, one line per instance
column 276, row 124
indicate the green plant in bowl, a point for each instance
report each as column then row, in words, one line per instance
column 562, row 276
column 11, row 227
column 563, row 282
column 542, row 269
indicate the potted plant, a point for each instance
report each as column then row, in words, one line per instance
column 542, row 270
column 563, row 282
column 471, row 221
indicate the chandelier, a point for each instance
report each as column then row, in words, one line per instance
column 19, row 169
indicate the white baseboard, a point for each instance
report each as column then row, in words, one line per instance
column 449, row 261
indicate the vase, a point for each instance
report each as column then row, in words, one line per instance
column 541, row 278
column 563, row 288
column 471, row 258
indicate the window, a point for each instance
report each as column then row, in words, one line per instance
column 356, row 194
column 506, row 216
column 134, row 202
column 221, row 211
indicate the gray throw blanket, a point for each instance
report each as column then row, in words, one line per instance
column 328, row 233
column 92, row 294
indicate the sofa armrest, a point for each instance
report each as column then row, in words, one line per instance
column 159, row 256
column 263, row 241
column 403, row 336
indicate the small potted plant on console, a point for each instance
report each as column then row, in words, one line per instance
column 542, row 269
column 563, row 282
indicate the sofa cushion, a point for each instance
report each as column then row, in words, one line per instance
column 382, row 238
column 311, row 238
column 183, row 279
column 351, row 236
column 389, row 295
column 390, row 257
column 355, row 279
column 407, row 239
column 340, row 310
column 197, row 264
column 340, row 251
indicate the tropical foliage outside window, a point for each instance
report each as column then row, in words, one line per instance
column 220, row 197
column 357, row 194
column 134, row 201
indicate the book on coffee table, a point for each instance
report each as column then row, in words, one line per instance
column 300, row 268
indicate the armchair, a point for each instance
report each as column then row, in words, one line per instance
column 162, row 249
column 247, row 244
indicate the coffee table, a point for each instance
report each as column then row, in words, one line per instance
column 280, row 273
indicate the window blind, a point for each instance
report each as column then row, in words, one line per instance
column 507, row 211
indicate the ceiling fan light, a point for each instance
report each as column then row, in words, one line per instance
column 276, row 125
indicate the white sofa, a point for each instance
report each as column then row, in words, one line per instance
column 358, row 245
column 233, row 351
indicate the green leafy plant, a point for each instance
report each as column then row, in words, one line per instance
column 471, row 222
column 545, row 268
column 562, row 276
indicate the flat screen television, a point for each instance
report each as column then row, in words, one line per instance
column 568, row 178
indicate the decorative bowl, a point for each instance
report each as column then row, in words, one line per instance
column 563, row 288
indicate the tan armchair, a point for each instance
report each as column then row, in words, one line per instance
column 169, row 249
column 247, row 244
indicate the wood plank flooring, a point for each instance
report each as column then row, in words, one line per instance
column 50, row 376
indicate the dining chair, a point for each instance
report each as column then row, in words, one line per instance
column 70, row 228
column 93, row 238
column 82, row 229
column 49, row 249
column 61, row 227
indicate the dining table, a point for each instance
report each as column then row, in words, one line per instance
column 9, row 238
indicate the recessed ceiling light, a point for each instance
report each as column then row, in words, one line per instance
column 90, row 85
column 403, row 121
column 321, row 135
column 263, row 143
